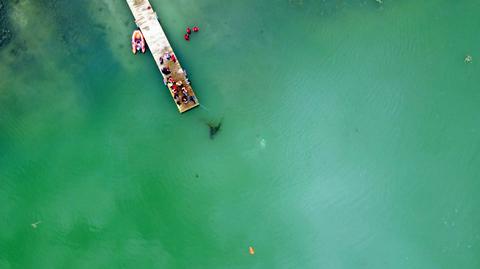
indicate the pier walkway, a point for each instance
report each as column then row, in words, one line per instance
column 147, row 20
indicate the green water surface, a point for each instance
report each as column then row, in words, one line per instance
column 350, row 136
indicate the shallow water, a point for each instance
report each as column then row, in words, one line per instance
column 349, row 138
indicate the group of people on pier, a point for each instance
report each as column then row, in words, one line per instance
column 177, row 87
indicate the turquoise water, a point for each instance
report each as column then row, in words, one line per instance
column 350, row 137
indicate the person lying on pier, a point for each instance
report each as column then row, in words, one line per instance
column 166, row 71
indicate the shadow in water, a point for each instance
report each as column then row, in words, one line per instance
column 214, row 129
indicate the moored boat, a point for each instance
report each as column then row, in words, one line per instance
column 138, row 42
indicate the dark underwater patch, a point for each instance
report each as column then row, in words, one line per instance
column 6, row 33
column 214, row 129
column 82, row 39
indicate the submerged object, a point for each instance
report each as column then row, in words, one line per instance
column 214, row 129
column 468, row 59
column 35, row 225
column 251, row 250
column 138, row 42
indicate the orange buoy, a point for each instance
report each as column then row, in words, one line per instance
column 251, row 250
column 196, row 29
column 187, row 37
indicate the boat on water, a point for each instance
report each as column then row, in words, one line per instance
column 138, row 42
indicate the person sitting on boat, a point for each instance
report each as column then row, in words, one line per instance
column 184, row 99
column 173, row 58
